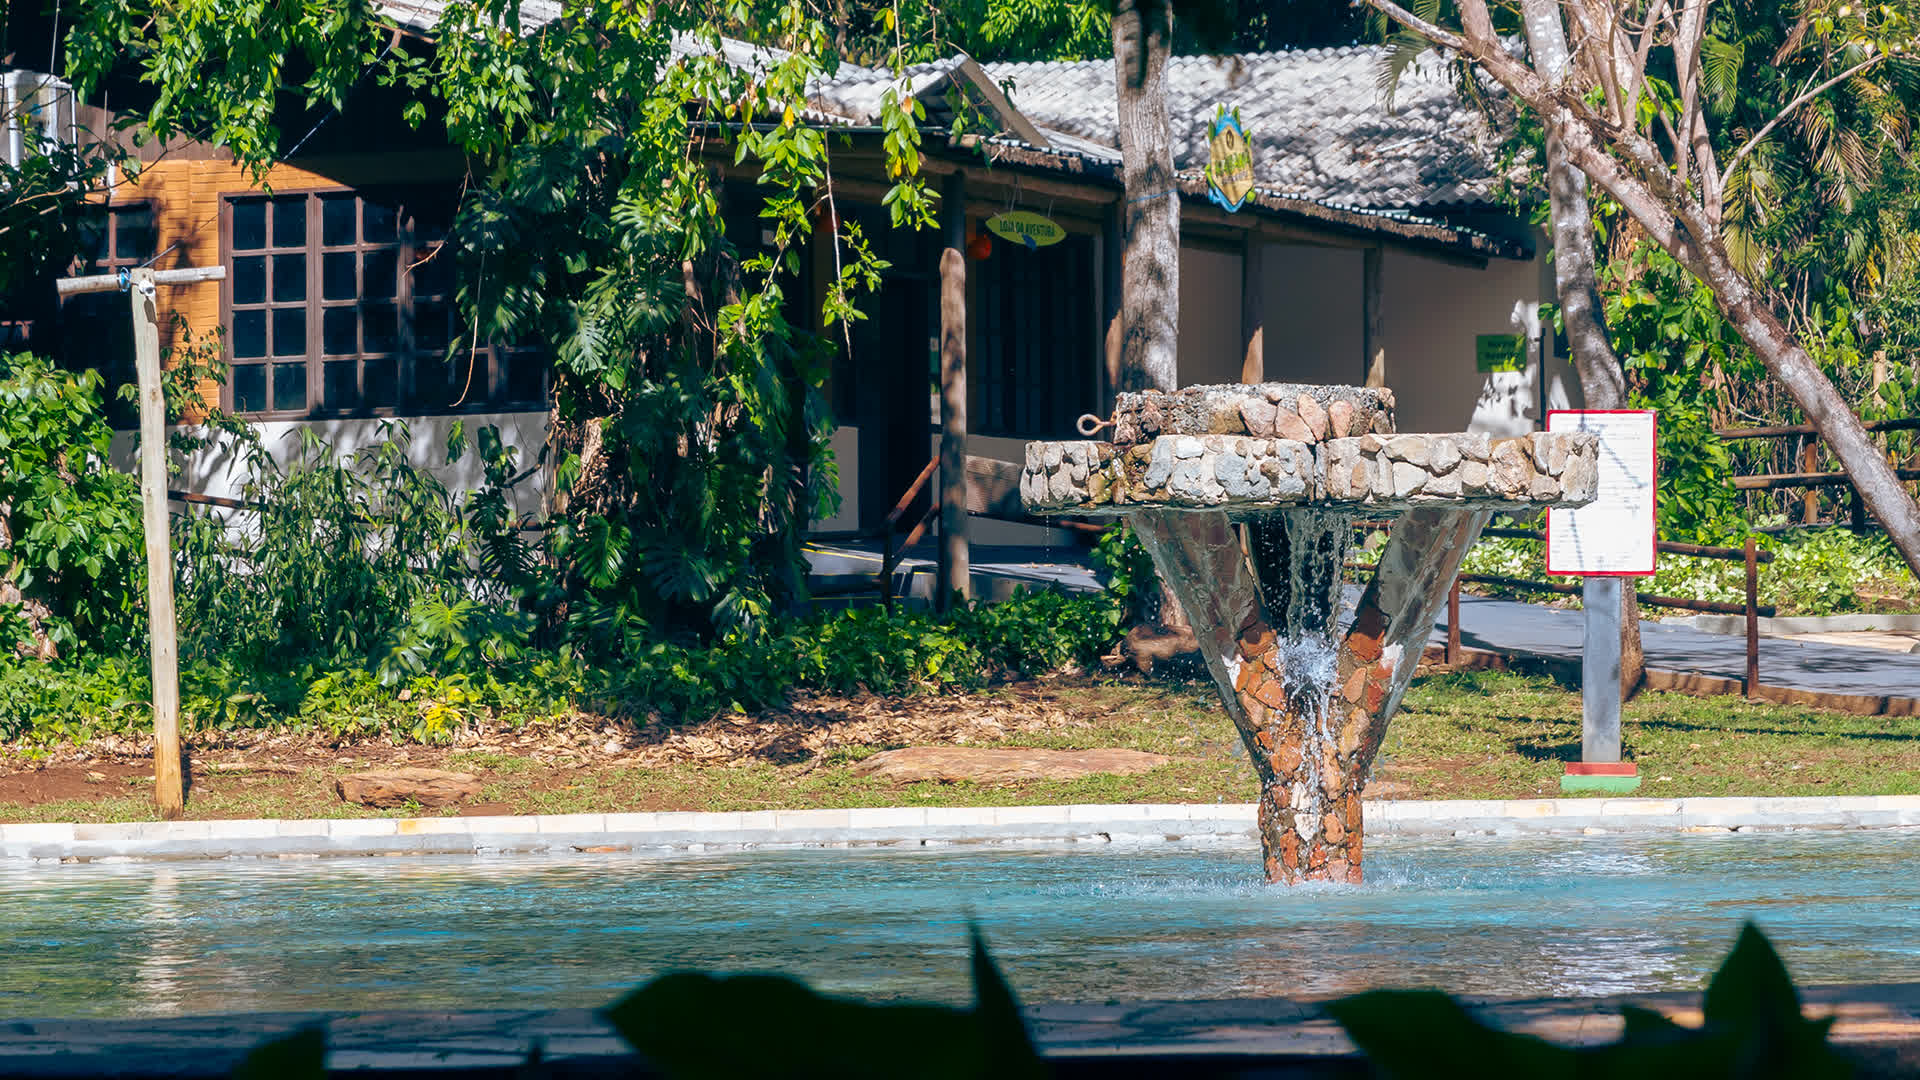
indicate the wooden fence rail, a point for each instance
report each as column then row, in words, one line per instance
column 1751, row 608
column 1811, row 478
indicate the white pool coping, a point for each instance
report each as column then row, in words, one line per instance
column 911, row 827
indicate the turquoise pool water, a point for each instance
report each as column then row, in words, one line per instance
column 1567, row 916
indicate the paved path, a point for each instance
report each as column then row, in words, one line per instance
column 1880, row 1024
column 1857, row 679
column 1860, row 679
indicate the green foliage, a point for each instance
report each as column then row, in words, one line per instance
column 466, row 668
column 1813, row 572
column 1131, row 579
column 70, row 533
column 299, row 1056
column 1753, row 1027
column 684, row 1023
column 343, row 559
column 1673, row 339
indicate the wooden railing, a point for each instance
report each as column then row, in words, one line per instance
column 1752, row 609
column 1811, row 477
column 993, row 491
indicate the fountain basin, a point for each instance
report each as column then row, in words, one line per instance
column 1096, row 922
column 1366, row 474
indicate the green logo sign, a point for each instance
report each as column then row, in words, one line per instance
column 1026, row 227
column 1229, row 161
column 1500, row 352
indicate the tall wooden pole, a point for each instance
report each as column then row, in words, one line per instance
column 956, row 570
column 169, row 791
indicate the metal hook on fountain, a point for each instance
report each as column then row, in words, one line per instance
column 1090, row 425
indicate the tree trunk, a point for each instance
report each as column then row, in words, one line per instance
column 1150, row 268
column 1576, row 281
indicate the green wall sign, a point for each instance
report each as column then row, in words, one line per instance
column 1500, row 352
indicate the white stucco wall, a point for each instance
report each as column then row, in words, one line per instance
column 1434, row 310
column 222, row 470
column 846, row 455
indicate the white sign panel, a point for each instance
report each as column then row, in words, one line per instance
column 1614, row 534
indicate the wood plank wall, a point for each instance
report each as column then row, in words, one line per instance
column 186, row 192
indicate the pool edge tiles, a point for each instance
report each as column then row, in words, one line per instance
column 916, row 827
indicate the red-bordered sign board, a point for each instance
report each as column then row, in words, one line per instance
column 1613, row 536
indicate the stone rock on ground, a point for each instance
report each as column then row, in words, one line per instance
column 999, row 765
column 394, row 787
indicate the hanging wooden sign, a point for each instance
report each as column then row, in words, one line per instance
column 1229, row 161
column 1026, row 228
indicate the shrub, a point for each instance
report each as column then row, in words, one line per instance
column 70, row 535
column 341, row 560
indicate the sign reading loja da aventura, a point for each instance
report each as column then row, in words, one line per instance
column 1027, row 228
column 1229, row 161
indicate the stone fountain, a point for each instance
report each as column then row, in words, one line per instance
column 1246, row 496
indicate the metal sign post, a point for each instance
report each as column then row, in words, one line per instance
column 169, row 791
column 1612, row 538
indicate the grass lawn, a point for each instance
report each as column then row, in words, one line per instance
column 1458, row 736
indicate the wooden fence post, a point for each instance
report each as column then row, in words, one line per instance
column 1753, row 621
column 1453, row 623
column 1810, row 462
column 169, row 788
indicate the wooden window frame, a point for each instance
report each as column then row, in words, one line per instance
column 491, row 378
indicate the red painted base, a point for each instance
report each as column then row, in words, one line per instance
column 1602, row 768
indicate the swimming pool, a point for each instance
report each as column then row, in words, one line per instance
column 1520, row 916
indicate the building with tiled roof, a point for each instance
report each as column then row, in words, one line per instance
column 1370, row 247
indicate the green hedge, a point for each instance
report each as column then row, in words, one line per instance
column 860, row 649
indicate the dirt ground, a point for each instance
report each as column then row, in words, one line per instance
column 1459, row 735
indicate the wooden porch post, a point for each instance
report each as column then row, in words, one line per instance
column 1253, row 362
column 955, row 576
column 1373, row 342
column 1112, row 245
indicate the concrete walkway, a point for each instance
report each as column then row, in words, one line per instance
column 1858, row 679
column 1878, row 1024
column 1852, row 679
column 919, row 826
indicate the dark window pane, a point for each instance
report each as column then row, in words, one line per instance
column 290, row 222
column 431, row 379
column 133, row 234
column 249, row 334
column 526, row 375
column 429, row 227
column 340, row 392
column 289, row 332
column 338, row 330
column 289, row 387
column 336, row 220
column 377, row 272
column 430, row 326
column 289, row 278
column 382, row 333
column 377, row 223
column 250, row 388
column 435, row 276
column 93, row 248
column 380, row 383
column 336, row 276
column 250, row 279
column 249, row 224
